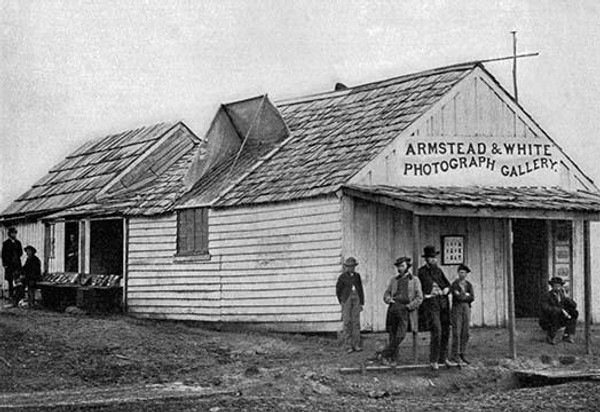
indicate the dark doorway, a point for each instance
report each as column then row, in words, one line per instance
column 106, row 247
column 71, row 247
column 530, row 245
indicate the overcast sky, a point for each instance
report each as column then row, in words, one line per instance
column 74, row 70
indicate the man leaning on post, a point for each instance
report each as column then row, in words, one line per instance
column 350, row 295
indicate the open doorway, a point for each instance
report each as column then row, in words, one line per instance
column 106, row 247
column 530, row 246
column 71, row 247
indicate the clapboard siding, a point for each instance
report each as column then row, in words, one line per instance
column 271, row 263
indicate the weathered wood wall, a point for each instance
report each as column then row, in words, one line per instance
column 273, row 264
column 377, row 234
column 595, row 249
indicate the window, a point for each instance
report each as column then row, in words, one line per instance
column 192, row 232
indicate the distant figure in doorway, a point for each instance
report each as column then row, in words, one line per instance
column 558, row 311
column 462, row 297
column 403, row 296
column 11, row 260
column 434, row 313
column 71, row 264
column 31, row 273
column 349, row 291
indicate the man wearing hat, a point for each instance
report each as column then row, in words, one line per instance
column 558, row 311
column 435, row 310
column 350, row 294
column 31, row 273
column 11, row 259
column 462, row 297
column 403, row 296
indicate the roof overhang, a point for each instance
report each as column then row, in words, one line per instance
column 485, row 202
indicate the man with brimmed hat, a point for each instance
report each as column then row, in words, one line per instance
column 11, row 259
column 434, row 313
column 350, row 295
column 403, row 296
column 31, row 273
column 558, row 311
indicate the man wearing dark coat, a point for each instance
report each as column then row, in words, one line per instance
column 558, row 311
column 11, row 259
column 31, row 273
column 435, row 309
column 350, row 295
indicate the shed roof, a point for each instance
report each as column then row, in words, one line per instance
column 542, row 201
column 84, row 173
column 334, row 135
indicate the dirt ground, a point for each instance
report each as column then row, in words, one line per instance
column 48, row 351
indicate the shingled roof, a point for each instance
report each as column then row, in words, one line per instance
column 334, row 135
column 538, row 199
column 77, row 180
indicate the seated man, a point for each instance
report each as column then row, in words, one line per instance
column 558, row 311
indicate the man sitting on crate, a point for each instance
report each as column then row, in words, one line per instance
column 558, row 311
column 403, row 296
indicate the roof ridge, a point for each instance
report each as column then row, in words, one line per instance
column 380, row 83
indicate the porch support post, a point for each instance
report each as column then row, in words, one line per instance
column 124, row 278
column 511, row 290
column 416, row 244
column 587, row 283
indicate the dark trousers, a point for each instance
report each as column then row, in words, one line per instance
column 440, row 329
column 9, row 276
column 461, row 317
column 554, row 323
column 397, row 324
column 351, row 320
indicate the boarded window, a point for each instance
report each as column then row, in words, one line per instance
column 192, row 232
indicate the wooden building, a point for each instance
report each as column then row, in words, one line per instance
column 251, row 224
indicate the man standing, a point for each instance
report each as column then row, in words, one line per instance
column 11, row 259
column 435, row 309
column 403, row 295
column 350, row 294
column 462, row 297
column 558, row 311
column 31, row 274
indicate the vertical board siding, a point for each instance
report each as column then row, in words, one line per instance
column 377, row 250
column 274, row 263
column 576, row 288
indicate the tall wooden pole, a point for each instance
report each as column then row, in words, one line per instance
column 416, row 247
column 587, row 283
column 511, row 290
column 514, row 71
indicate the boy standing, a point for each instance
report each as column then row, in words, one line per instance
column 462, row 297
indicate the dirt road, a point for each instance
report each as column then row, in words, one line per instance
column 236, row 369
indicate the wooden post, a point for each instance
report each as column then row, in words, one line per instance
column 125, row 252
column 587, row 283
column 511, row 290
column 416, row 248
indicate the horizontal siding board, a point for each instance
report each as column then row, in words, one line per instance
column 160, row 234
column 244, row 272
column 149, row 247
column 267, row 233
column 277, row 301
column 175, row 303
column 300, row 284
column 276, row 207
column 292, row 259
column 273, row 224
column 142, row 280
column 213, row 312
column 296, row 292
column 292, row 317
column 276, row 249
column 176, row 295
column 271, row 216
column 291, row 238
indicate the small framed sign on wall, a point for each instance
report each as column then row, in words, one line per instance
column 453, row 249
